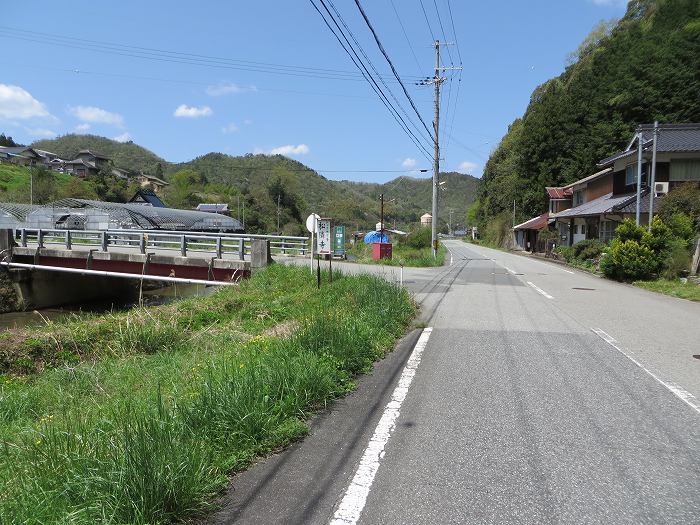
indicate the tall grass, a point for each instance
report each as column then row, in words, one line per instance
column 147, row 430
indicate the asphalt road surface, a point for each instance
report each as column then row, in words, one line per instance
column 536, row 394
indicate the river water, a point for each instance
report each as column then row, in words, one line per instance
column 150, row 298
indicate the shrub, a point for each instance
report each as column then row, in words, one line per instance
column 678, row 260
column 588, row 249
column 420, row 238
column 629, row 260
column 683, row 199
column 681, row 225
column 566, row 252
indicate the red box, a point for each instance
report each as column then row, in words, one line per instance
column 381, row 250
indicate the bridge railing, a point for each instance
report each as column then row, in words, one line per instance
column 221, row 245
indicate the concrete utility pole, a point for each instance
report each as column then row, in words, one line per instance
column 437, row 81
column 381, row 218
column 278, row 213
column 640, row 141
column 652, row 183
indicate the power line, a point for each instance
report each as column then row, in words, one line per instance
column 427, row 21
column 176, row 56
column 408, row 41
column 454, row 33
column 393, row 69
column 368, row 76
column 369, row 61
column 365, row 73
column 449, row 55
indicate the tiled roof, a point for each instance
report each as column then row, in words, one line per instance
column 671, row 138
column 536, row 223
column 631, row 207
column 605, row 204
column 559, row 193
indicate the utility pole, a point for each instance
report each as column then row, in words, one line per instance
column 450, row 223
column 381, row 218
column 640, row 141
column 652, row 183
column 437, row 81
column 278, row 214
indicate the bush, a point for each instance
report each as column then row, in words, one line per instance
column 588, row 249
column 683, row 199
column 681, row 225
column 678, row 260
column 421, row 238
column 629, row 260
column 566, row 252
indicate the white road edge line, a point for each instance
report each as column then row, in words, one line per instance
column 540, row 290
column 567, row 271
column 686, row 397
column 353, row 502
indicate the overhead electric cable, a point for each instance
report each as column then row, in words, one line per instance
column 444, row 36
column 369, row 61
column 391, row 65
column 408, row 41
column 427, row 21
column 176, row 56
column 373, row 84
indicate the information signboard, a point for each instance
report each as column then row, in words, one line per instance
column 339, row 241
column 323, row 241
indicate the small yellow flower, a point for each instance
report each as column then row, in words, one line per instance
column 241, row 365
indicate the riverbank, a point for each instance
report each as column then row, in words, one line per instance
column 139, row 417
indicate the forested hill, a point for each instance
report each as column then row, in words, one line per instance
column 259, row 181
column 125, row 155
column 643, row 68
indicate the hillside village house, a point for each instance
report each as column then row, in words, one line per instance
column 593, row 207
column 20, row 155
column 154, row 183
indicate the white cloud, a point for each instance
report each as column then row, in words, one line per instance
column 124, row 137
column 247, row 122
column 17, row 103
column 82, row 127
column 229, row 128
column 193, row 111
column 467, row 167
column 228, row 88
column 96, row 115
column 42, row 133
column 409, row 163
column 289, row 149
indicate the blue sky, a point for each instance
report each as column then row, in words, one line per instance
column 231, row 97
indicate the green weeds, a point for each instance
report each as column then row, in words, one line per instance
column 140, row 417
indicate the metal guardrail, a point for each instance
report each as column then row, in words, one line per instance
column 186, row 243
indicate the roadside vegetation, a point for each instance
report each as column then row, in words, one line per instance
column 139, row 417
column 413, row 250
column 684, row 290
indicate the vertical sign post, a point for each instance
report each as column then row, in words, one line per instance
column 312, row 226
column 339, row 241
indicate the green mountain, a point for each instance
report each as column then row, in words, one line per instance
column 125, row 155
column 642, row 68
column 259, row 183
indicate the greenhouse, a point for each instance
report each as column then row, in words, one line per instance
column 82, row 214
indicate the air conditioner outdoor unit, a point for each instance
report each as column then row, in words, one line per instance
column 660, row 188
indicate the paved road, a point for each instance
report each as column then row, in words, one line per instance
column 516, row 412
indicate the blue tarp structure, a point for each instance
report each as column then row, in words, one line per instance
column 376, row 237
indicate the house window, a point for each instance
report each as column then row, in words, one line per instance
column 575, row 229
column 607, row 230
column 583, row 229
column 631, row 174
column 685, row 170
column 578, row 198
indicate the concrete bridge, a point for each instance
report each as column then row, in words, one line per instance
column 48, row 266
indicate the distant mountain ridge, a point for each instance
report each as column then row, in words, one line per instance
column 252, row 176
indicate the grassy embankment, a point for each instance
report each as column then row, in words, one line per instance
column 401, row 256
column 139, row 417
column 688, row 290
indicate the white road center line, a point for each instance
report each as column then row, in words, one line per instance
column 540, row 290
column 350, row 508
column 686, row 397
